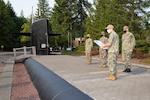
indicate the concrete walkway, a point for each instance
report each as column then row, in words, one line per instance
column 91, row 78
column 6, row 79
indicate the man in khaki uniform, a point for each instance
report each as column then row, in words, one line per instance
column 103, row 52
column 128, row 44
column 113, row 51
column 88, row 49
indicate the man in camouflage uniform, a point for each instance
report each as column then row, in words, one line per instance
column 103, row 52
column 88, row 49
column 113, row 51
column 128, row 44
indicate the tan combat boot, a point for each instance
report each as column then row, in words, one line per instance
column 101, row 65
column 112, row 77
column 88, row 62
column 104, row 65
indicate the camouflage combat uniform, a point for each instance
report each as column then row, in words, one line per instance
column 113, row 52
column 128, row 43
column 103, row 52
column 88, row 49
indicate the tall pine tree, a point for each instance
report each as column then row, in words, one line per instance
column 68, row 17
column 43, row 10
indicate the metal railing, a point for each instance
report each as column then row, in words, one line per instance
column 24, row 48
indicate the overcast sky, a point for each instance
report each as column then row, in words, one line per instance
column 26, row 6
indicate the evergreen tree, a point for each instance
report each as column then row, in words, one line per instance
column 4, row 23
column 119, row 13
column 68, row 17
column 83, row 8
column 106, row 12
column 26, row 28
column 43, row 10
column 9, row 24
column 15, row 26
column 61, row 17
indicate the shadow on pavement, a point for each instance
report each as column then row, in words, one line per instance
column 138, row 70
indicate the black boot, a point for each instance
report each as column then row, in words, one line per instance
column 125, row 70
column 128, row 70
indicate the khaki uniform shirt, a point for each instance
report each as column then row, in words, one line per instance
column 103, row 40
column 88, row 44
column 114, row 40
column 128, row 41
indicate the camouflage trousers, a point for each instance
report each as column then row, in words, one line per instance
column 112, row 63
column 89, row 55
column 103, row 56
column 126, row 58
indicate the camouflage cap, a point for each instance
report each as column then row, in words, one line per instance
column 110, row 27
column 102, row 33
column 125, row 27
column 88, row 35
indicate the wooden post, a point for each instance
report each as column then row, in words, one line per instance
column 14, row 50
column 25, row 51
column 33, row 51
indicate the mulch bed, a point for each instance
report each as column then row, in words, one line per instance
column 22, row 87
column 134, row 60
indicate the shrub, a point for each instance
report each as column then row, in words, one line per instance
column 77, row 51
column 142, row 45
column 145, row 61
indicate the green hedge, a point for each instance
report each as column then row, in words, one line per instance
column 77, row 51
column 142, row 45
